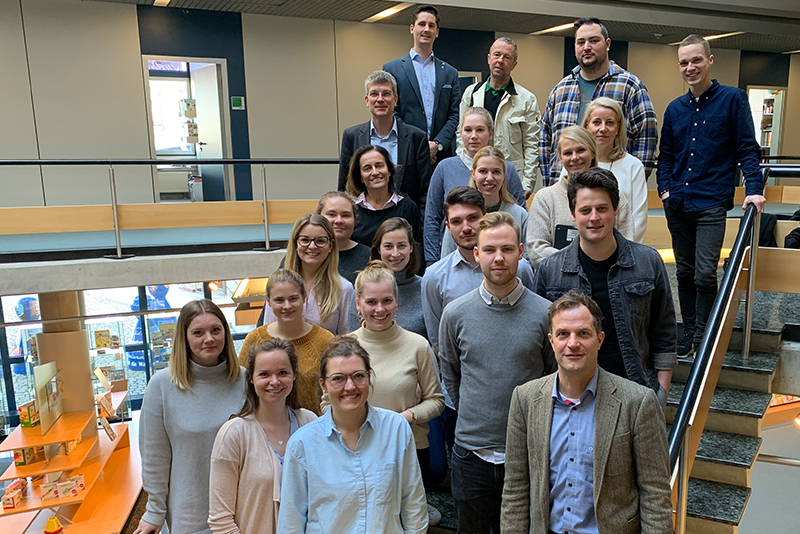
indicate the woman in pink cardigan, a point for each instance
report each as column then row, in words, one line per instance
column 247, row 458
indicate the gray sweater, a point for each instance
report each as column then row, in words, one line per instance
column 176, row 434
column 485, row 352
column 353, row 260
column 409, row 306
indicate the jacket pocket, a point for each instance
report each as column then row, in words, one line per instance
column 639, row 295
column 515, row 130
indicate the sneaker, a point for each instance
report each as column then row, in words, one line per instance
column 434, row 516
column 686, row 345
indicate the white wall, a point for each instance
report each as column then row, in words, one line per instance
column 19, row 186
column 87, row 88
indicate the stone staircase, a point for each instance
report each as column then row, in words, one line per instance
column 719, row 487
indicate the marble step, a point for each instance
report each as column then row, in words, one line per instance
column 756, row 373
column 725, row 457
column 714, row 507
column 736, row 411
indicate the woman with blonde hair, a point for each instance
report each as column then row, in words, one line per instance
column 477, row 131
column 286, row 295
column 340, row 210
column 182, row 410
column 550, row 206
column 606, row 122
column 247, row 458
column 488, row 176
column 313, row 253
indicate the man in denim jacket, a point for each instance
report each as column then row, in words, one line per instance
column 628, row 280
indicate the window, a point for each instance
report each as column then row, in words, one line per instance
column 168, row 124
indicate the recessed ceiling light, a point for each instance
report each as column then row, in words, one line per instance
column 388, row 12
column 713, row 37
column 555, row 29
column 792, row 52
column 161, row 3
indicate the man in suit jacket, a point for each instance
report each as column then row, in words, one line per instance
column 586, row 451
column 406, row 144
column 428, row 87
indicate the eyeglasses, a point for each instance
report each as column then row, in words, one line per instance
column 321, row 241
column 359, row 378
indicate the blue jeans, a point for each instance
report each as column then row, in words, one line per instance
column 696, row 241
column 477, row 488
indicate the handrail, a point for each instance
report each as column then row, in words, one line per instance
column 704, row 352
column 182, row 161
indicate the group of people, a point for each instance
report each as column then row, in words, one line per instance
column 543, row 340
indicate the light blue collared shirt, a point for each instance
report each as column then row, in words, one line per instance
column 445, row 281
column 389, row 142
column 572, row 462
column 426, row 77
column 327, row 488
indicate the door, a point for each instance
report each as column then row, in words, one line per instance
column 206, row 91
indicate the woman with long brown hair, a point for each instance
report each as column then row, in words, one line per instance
column 247, row 458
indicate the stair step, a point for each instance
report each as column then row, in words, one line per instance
column 737, row 411
column 443, row 501
column 725, row 457
column 717, row 502
column 755, row 374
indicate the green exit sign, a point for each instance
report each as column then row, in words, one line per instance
column 237, row 102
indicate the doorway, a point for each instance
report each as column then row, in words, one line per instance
column 188, row 119
column 766, row 105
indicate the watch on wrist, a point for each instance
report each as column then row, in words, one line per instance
column 440, row 146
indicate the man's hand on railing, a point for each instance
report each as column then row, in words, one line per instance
column 757, row 200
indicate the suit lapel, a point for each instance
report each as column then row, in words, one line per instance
column 438, row 65
column 363, row 135
column 607, row 410
column 403, row 157
column 408, row 66
column 541, row 420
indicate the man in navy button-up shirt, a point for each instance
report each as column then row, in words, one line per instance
column 706, row 133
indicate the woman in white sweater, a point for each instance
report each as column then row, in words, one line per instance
column 488, row 176
column 247, row 459
column 606, row 122
column 182, row 410
column 550, row 207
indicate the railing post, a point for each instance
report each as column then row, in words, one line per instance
column 751, row 286
column 113, row 181
column 683, row 482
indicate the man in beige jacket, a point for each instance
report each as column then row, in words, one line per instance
column 513, row 108
column 586, row 451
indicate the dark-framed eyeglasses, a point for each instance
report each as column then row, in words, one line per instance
column 321, row 241
column 338, row 381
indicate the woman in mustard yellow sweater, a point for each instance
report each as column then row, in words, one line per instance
column 286, row 294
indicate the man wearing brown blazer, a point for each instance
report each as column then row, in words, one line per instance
column 586, row 451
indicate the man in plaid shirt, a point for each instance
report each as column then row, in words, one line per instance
column 596, row 76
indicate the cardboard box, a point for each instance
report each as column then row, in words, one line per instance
column 28, row 455
column 79, row 482
column 20, row 484
column 48, row 490
column 12, row 499
column 70, row 446
column 28, row 414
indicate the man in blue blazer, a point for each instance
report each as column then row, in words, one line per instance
column 429, row 93
column 406, row 144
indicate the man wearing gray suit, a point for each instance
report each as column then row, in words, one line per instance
column 586, row 450
column 406, row 144
column 429, row 93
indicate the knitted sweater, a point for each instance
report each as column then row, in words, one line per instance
column 245, row 478
column 409, row 306
column 401, row 360
column 368, row 221
column 309, row 348
column 550, row 207
column 485, row 352
column 353, row 260
column 176, row 434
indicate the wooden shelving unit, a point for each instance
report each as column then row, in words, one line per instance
column 60, row 462
column 68, row 428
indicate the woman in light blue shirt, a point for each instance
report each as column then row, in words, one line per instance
column 355, row 469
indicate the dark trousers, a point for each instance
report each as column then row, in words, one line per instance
column 696, row 241
column 424, row 459
column 477, row 488
column 449, row 417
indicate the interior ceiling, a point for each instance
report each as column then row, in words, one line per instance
column 487, row 20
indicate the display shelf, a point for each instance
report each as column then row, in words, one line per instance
column 18, row 522
column 117, row 398
column 60, row 462
column 68, row 428
column 91, row 470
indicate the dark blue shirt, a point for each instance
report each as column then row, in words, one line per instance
column 702, row 141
